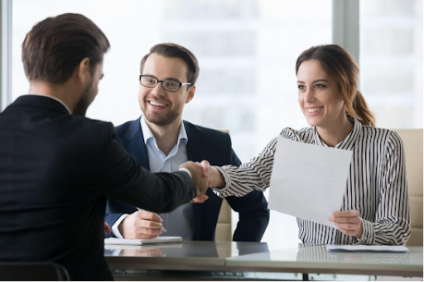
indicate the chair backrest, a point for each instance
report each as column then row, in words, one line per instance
column 413, row 143
column 31, row 271
column 223, row 230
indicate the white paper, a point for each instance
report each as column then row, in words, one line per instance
column 361, row 248
column 308, row 181
column 138, row 242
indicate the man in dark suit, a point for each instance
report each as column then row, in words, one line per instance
column 57, row 167
column 160, row 141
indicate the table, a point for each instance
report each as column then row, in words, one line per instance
column 316, row 259
column 207, row 260
column 190, row 255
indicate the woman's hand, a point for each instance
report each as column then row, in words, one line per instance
column 215, row 178
column 348, row 222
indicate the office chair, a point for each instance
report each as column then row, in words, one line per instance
column 40, row 271
column 223, row 230
column 413, row 144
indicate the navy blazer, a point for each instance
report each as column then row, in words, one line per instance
column 203, row 144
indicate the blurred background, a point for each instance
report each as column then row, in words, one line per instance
column 247, row 51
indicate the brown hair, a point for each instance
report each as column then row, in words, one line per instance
column 55, row 46
column 171, row 50
column 340, row 65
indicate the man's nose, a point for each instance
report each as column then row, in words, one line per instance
column 158, row 90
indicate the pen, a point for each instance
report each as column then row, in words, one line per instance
column 163, row 228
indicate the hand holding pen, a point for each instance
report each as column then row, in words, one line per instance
column 152, row 214
column 141, row 224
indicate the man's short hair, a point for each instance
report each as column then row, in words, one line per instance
column 171, row 50
column 56, row 46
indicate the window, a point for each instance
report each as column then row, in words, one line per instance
column 246, row 49
column 391, row 60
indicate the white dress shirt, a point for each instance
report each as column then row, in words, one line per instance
column 180, row 221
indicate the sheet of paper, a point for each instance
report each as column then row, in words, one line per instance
column 352, row 248
column 138, row 242
column 308, row 181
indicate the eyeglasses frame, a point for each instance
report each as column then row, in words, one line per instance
column 162, row 81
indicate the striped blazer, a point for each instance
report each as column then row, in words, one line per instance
column 377, row 186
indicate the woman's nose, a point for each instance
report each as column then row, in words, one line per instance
column 309, row 95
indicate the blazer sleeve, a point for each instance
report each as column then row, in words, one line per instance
column 114, row 210
column 118, row 176
column 252, row 209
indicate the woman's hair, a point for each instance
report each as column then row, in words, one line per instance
column 337, row 63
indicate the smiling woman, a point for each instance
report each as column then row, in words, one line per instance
column 328, row 89
column 321, row 102
column 375, row 207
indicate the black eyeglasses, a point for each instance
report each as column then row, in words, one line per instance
column 169, row 84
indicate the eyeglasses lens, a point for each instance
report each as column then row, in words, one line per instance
column 171, row 85
column 148, row 81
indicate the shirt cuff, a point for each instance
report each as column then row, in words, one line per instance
column 186, row 170
column 368, row 234
column 115, row 229
column 223, row 192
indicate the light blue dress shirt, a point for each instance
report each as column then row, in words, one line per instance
column 180, row 222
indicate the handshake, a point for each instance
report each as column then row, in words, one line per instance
column 204, row 175
column 143, row 224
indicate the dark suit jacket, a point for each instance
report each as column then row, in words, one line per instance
column 203, row 144
column 56, row 171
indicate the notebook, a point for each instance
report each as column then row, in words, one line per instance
column 143, row 247
column 139, row 242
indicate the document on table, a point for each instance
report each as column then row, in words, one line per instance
column 361, row 248
column 308, row 181
column 138, row 242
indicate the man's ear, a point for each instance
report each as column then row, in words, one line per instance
column 84, row 70
column 190, row 95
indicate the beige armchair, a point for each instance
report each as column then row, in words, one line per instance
column 413, row 143
column 223, row 230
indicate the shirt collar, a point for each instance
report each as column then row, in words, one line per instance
column 349, row 141
column 148, row 135
column 54, row 98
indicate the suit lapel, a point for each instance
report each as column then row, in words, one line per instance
column 136, row 145
column 205, row 215
column 196, row 145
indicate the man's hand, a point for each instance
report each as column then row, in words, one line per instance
column 200, row 180
column 141, row 225
column 348, row 222
column 107, row 228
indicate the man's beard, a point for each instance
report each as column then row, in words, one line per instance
column 170, row 118
column 82, row 105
